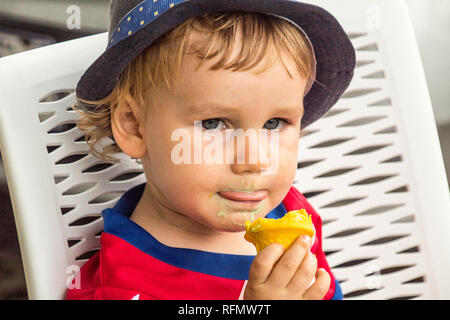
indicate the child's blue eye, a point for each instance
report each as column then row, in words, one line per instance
column 273, row 123
column 211, row 124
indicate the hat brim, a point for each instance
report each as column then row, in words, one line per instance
column 334, row 52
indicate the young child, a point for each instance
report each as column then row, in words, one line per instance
column 208, row 66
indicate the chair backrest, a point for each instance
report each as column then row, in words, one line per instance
column 57, row 188
column 372, row 167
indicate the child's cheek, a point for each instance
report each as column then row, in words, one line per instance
column 287, row 162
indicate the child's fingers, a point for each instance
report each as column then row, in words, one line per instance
column 263, row 263
column 289, row 263
column 304, row 275
column 320, row 287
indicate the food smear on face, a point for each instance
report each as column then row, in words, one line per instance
column 225, row 208
column 247, row 186
column 250, row 215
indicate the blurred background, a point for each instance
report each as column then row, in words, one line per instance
column 28, row 24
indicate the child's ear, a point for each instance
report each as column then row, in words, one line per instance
column 127, row 127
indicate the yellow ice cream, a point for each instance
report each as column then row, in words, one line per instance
column 264, row 231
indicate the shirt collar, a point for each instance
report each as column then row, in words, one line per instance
column 117, row 222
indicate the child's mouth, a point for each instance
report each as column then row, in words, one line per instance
column 244, row 197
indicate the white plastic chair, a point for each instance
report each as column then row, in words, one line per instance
column 372, row 167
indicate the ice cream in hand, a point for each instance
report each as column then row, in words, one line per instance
column 264, row 231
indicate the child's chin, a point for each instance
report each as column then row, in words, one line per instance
column 237, row 223
column 229, row 225
column 237, row 228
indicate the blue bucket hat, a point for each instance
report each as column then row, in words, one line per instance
column 136, row 24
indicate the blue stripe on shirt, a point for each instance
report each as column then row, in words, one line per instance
column 337, row 291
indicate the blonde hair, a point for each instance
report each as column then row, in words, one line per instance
column 158, row 65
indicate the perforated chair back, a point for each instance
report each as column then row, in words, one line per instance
column 372, row 167
column 58, row 189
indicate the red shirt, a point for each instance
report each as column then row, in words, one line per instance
column 132, row 264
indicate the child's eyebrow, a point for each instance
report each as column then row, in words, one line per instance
column 210, row 108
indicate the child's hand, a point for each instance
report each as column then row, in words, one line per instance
column 279, row 275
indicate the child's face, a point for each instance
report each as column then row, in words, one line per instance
column 194, row 190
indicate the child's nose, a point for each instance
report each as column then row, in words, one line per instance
column 254, row 155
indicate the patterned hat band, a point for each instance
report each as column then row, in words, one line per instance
column 140, row 16
column 149, row 10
